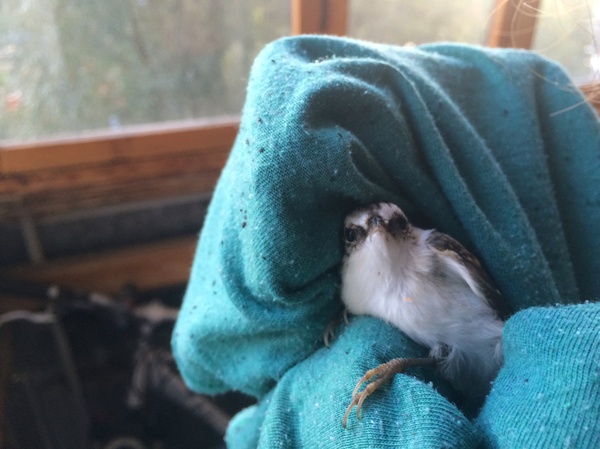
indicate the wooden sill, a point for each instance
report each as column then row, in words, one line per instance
column 102, row 147
column 152, row 162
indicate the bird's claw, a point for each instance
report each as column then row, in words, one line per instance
column 329, row 332
column 359, row 398
column 384, row 373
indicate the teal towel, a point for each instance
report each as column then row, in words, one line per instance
column 495, row 147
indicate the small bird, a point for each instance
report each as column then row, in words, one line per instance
column 431, row 288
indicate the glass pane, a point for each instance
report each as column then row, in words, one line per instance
column 404, row 21
column 73, row 65
column 569, row 31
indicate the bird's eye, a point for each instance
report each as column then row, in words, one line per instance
column 398, row 223
column 349, row 235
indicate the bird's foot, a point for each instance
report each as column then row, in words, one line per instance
column 329, row 332
column 384, row 373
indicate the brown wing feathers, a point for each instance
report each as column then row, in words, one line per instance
column 452, row 248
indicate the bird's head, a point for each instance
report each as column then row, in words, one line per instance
column 385, row 219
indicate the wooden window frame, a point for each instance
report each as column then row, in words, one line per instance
column 513, row 23
column 164, row 160
column 34, row 175
column 320, row 17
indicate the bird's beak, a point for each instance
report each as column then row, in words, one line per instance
column 375, row 222
column 376, row 226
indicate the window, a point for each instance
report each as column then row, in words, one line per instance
column 568, row 31
column 403, row 21
column 68, row 66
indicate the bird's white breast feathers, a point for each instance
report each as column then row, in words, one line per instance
column 414, row 288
